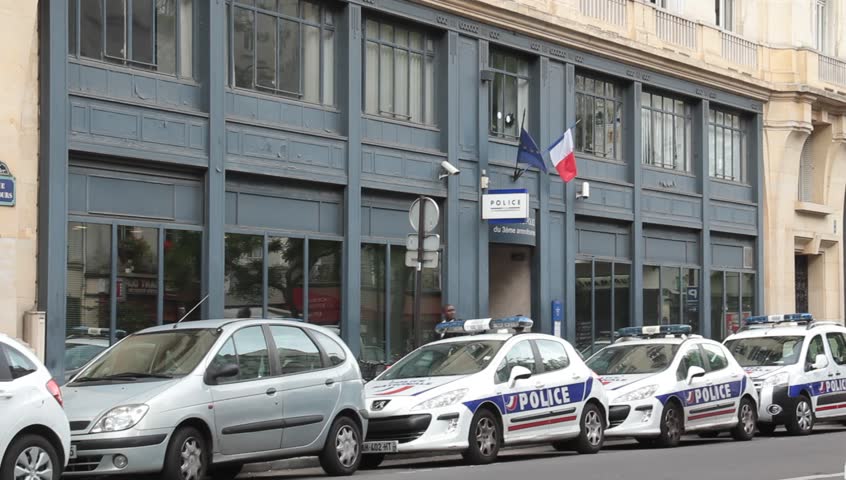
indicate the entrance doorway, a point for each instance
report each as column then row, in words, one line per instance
column 732, row 301
column 801, row 283
column 510, row 280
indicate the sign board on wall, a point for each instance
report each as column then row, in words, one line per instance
column 513, row 233
column 506, row 205
column 7, row 187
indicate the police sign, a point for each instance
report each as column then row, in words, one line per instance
column 510, row 204
column 7, row 192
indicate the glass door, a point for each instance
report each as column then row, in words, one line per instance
column 732, row 301
column 602, row 303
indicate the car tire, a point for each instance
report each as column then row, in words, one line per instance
column 371, row 461
column 709, row 435
column 187, row 457
column 28, row 451
column 341, row 454
column 484, row 438
column 766, row 428
column 747, row 417
column 226, row 471
column 672, row 426
column 801, row 421
column 591, row 431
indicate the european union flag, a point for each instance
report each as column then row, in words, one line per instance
column 528, row 151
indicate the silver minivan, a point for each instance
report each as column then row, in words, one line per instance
column 206, row 397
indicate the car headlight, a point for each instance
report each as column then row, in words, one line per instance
column 120, row 418
column 639, row 394
column 777, row 379
column 443, row 400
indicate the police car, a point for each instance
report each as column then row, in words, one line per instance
column 798, row 366
column 662, row 382
column 477, row 393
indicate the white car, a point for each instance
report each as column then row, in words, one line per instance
column 798, row 367
column 476, row 393
column 35, row 439
column 663, row 382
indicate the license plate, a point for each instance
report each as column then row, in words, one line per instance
column 379, row 447
column 73, row 452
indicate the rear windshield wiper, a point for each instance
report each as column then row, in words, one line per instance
column 124, row 376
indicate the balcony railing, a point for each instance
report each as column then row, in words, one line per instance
column 674, row 29
column 832, row 70
column 740, row 51
column 610, row 11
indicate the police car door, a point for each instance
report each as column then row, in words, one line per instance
column 837, row 373
column 824, row 391
column 562, row 386
column 522, row 405
column 723, row 388
column 691, row 356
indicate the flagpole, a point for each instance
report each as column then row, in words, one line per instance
column 517, row 171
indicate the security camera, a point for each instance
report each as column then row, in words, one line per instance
column 449, row 168
column 585, row 193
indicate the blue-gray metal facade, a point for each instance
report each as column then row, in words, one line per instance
column 140, row 122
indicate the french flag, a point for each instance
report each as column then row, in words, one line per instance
column 563, row 156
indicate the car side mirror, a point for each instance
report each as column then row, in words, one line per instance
column 820, row 362
column 694, row 372
column 518, row 373
column 223, row 371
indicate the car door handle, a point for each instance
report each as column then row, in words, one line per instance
column 539, row 385
column 6, row 395
column 271, row 391
column 330, row 382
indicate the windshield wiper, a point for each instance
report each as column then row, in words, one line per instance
column 124, row 376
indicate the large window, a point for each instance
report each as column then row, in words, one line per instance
column 602, row 303
column 671, row 296
column 399, row 73
column 732, row 301
column 599, row 111
column 820, row 32
column 155, row 35
column 726, row 146
column 268, row 276
column 666, row 132
column 285, row 48
column 509, row 93
column 724, row 14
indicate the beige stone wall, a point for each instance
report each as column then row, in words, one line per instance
column 19, row 150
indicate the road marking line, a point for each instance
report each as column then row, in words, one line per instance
column 816, row 477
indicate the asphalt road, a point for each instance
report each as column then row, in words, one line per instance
column 820, row 456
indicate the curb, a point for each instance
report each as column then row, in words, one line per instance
column 312, row 462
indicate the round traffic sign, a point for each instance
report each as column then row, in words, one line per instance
column 431, row 214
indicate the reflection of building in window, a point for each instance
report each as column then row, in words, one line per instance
column 666, row 132
column 509, row 93
column 599, row 110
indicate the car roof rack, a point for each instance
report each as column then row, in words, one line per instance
column 822, row 323
column 780, row 320
column 655, row 331
column 518, row 323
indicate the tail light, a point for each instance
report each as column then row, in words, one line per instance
column 54, row 390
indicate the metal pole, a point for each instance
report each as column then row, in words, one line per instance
column 418, row 274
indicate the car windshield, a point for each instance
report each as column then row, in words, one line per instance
column 768, row 351
column 164, row 354
column 633, row 359
column 445, row 359
column 78, row 354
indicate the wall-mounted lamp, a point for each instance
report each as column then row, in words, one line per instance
column 584, row 193
column 484, row 180
column 486, row 75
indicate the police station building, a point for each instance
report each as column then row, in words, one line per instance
column 265, row 153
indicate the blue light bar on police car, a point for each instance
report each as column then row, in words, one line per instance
column 787, row 317
column 650, row 330
column 484, row 324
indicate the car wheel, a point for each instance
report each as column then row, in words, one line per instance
column 342, row 452
column 187, row 456
column 672, row 425
column 484, row 439
column 226, row 471
column 371, row 461
column 591, row 430
column 802, row 420
column 747, row 416
column 31, row 457
column 709, row 434
column 766, row 428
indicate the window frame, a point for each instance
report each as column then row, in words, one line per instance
column 325, row 363
column 5, row 370
column 532, row 348
column 497, row 72
column 585, row 94
column 726, row 15
column 317, row 336
column 272, row 359
column 540, row 357
column 829, row 336
column 325, row 11
column 810, row 361
column 719, row 127
column 820, row 26
column 426, row 36
column 656, row 116
column 709, row 368
column 74, row 45
column 683, row 355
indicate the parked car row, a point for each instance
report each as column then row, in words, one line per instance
column 204, row 398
